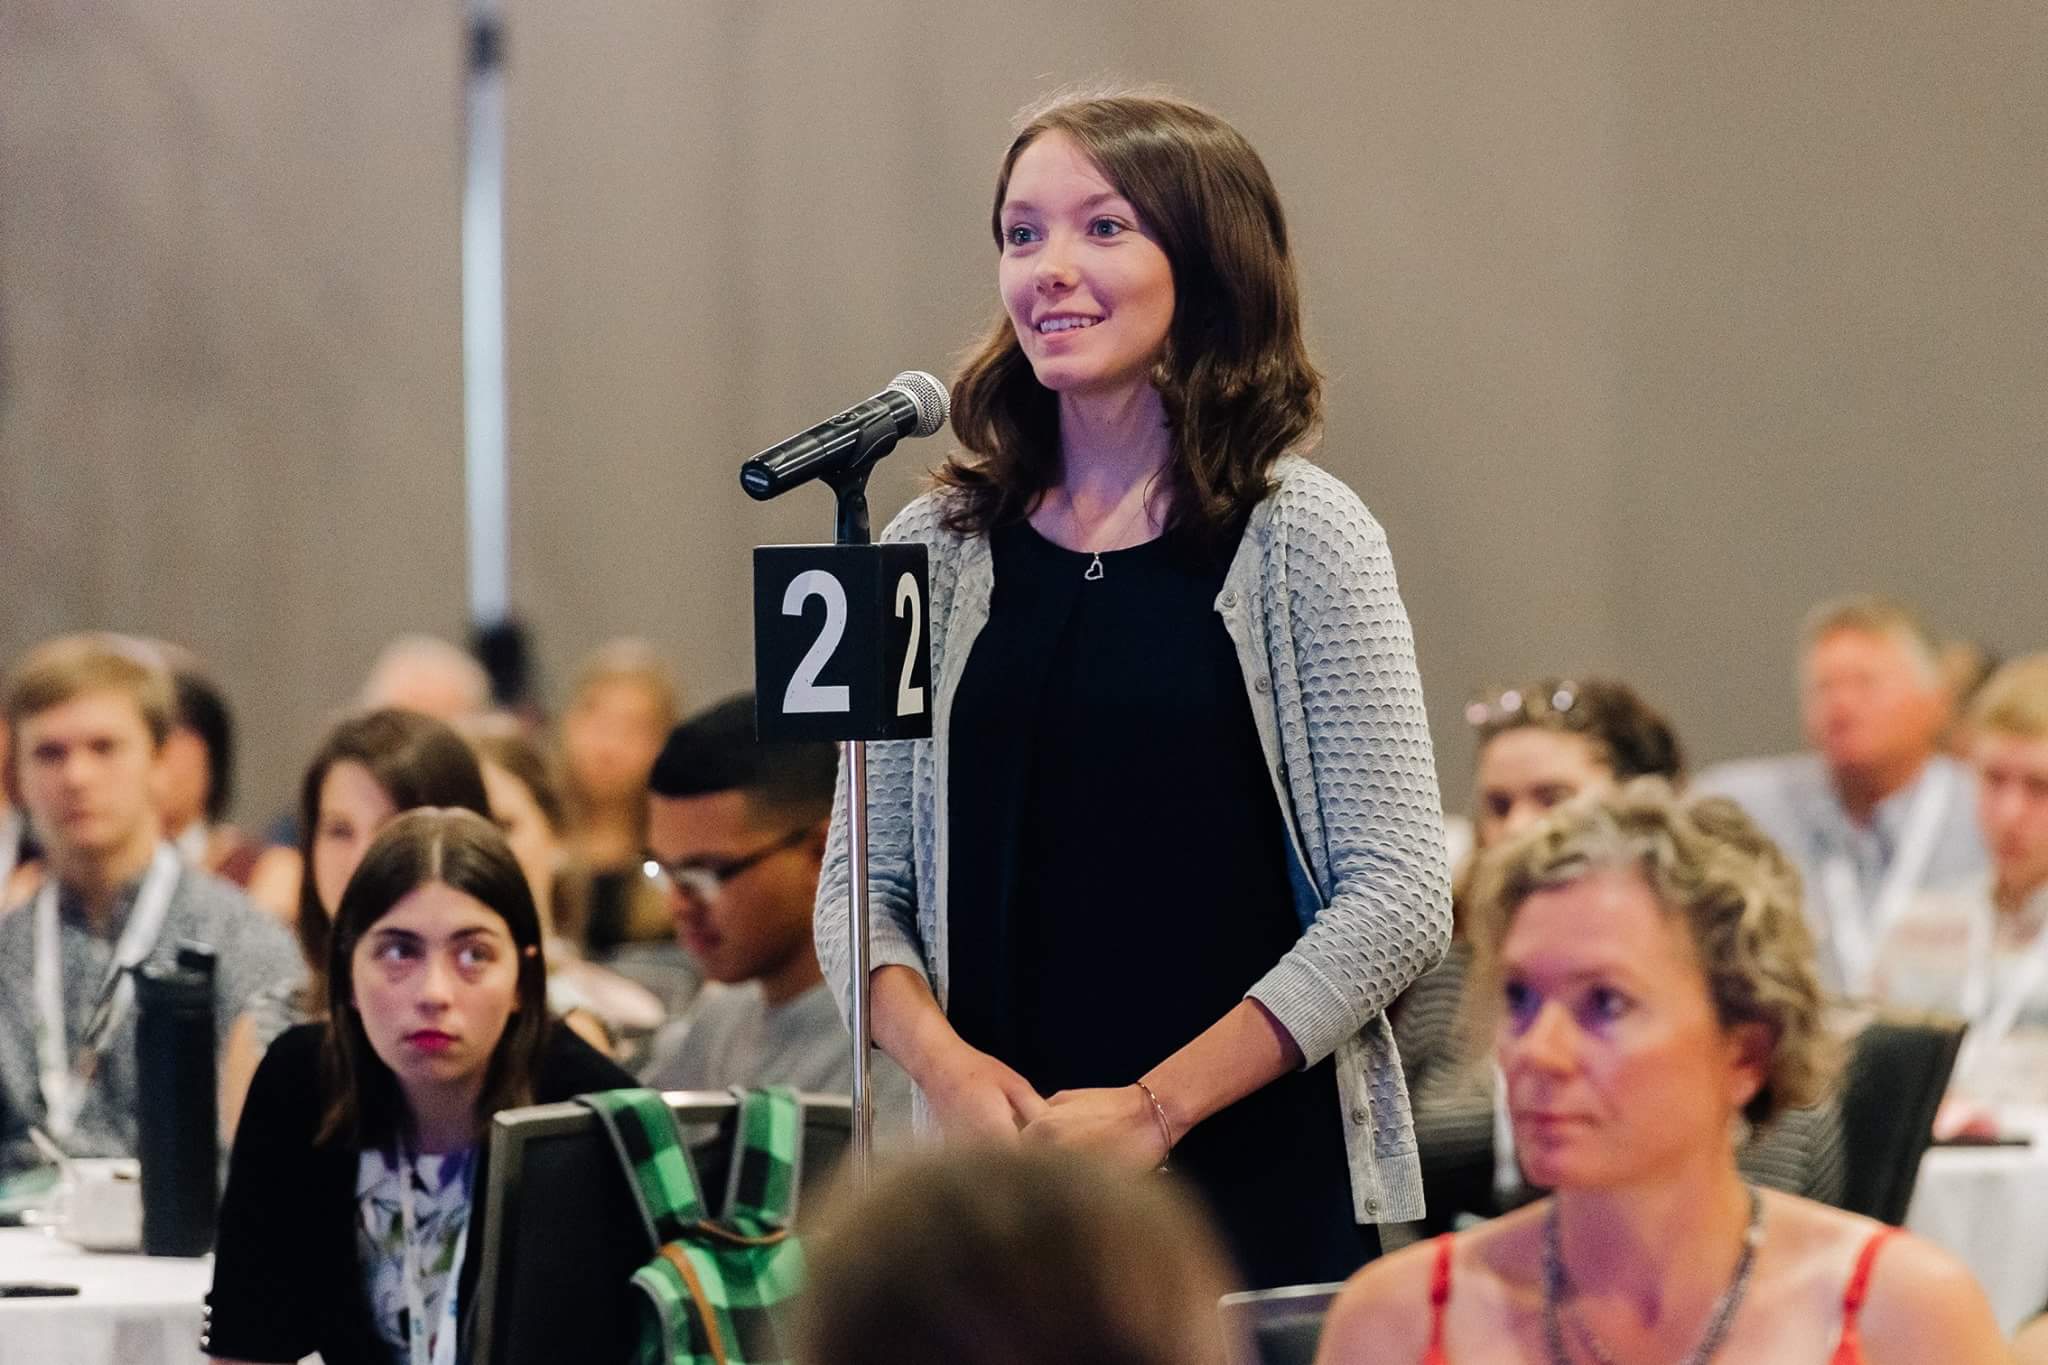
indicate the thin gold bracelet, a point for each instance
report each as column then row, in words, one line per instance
column 1159, row 1113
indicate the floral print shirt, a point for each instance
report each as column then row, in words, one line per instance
column 440, row 1205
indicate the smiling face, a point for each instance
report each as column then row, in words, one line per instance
column 1617, row 1066
column 1526, row 772
column 1088, row 289
column 435, row 979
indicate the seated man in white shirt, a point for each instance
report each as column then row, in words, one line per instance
column 737, row 828
column 1980, row 950
column 87, row 716
column 1875, row 813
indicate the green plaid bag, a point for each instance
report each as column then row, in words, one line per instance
column 714, row 1287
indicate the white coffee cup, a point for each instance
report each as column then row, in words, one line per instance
column 99, row 1204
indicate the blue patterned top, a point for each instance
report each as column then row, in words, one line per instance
column 440, row 1204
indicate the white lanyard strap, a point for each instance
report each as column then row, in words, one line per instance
column 64, row 1075
column 1993, row 1013
column 10, row 849
column 1857, row 931
column 426, row 1347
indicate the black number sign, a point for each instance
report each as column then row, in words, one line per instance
column 841, row 650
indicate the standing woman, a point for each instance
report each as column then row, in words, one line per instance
column 1175, row 843
column 346, row 1222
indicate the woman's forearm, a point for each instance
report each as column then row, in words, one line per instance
column 1240, row 1053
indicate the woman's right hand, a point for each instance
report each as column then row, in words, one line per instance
column 974, row 1096
column 971, row 1094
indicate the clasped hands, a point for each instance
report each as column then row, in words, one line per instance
column 975, row 1096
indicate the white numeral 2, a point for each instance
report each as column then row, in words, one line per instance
column 804, row 696
column 910, row 700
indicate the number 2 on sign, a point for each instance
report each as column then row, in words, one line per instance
column 910, row 700
column 804, row 696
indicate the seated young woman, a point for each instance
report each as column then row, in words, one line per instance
column 1653, row 979
column 345, row 1224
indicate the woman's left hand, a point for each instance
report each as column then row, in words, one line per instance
column 1118, row 1125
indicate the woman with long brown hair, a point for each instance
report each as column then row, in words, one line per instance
column 1175, row 843
column 345, row 1225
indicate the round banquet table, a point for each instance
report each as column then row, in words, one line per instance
column 130, row 1310
column 1986, row 1205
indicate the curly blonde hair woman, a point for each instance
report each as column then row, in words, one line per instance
column 1653, row 979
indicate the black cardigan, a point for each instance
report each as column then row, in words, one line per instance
column 286, row 1280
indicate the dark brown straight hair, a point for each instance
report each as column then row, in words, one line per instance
column 465, row 851
column 1234, row 374
column 417, row 760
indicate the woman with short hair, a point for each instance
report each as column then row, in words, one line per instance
column 1653, row 980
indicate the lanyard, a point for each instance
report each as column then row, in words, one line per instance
column 64, row 1075
column 425, row 1347
column 1993, row 1013
column 10, row 850
column 1856, row 931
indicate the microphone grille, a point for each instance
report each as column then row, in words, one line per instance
column 927, row 395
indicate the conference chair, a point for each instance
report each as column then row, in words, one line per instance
column 1898, row 1070
column 562, row 1236
column 1276, row 1326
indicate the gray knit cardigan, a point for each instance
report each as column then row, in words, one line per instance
column 1329, row 664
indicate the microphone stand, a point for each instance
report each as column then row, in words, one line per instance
column 850, row 526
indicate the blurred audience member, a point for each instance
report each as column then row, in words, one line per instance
column 369, row 769
column 1541, row 745
column 20, row 868
column 599, row 1004
column 88, row 716
column 2030, row 1347
column 1013, row 1256
column 196, row 777
column 425, row 673
column 1653, row 980
column 621, row 709
column 1966, row 666
column 738, row 828
column 1979, row 950
column 1875, row 813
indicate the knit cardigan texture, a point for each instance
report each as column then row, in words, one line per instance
column 1328, row 659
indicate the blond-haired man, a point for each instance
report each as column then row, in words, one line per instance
column 87, row 716
column 1980, row 950
column 1874, row 814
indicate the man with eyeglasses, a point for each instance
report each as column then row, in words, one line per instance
column 736, row 834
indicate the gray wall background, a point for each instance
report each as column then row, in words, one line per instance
column 1646, row 326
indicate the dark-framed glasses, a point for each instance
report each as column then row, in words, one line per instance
column 704, row 878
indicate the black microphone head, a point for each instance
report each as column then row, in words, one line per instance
column 927, row 395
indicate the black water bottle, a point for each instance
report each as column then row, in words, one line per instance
column 178, row 1137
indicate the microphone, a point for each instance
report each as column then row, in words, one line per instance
column 914, row 404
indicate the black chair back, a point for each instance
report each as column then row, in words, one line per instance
column 1899, row 1067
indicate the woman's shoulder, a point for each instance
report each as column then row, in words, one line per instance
column 923, row 521
column 569, row 1067
column 1918, row 1302
column 1305, row 495
column 1385, row 1310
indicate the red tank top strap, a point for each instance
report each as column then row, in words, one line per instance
column 1439, row 1302
column 1850, row 1349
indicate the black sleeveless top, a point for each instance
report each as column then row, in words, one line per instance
column 1118, row 873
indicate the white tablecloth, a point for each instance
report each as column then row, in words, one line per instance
column 1989, row 1205
column 131, row 1310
